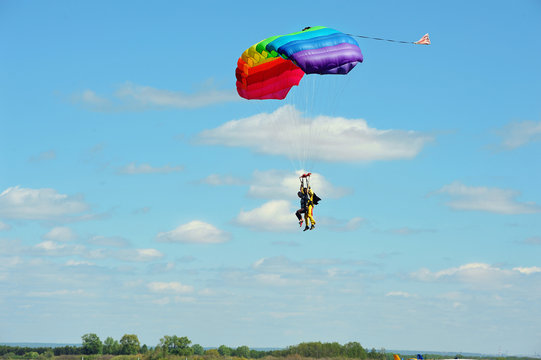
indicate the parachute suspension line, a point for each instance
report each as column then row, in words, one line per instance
column 308, row 135
column 293, row 146
column 295, row 136
column 425, row 40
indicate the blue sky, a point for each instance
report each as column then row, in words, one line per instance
column 139, row 194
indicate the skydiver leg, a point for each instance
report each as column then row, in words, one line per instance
column 309, row 215
column 299, row 217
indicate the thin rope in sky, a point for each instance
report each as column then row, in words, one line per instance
column 425, row 40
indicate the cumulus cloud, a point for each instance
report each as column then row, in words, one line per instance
column 169, row 287
column 39, row 204
column 520, row 133
column 470, row 270
column 528, row 270
column 479, row 275
column 134, row 169
column 194, row 232
column 332, row 139
column 278, row 184
column 133, row 97
column 60, row 233
column 54, row 248
column 275, row 215
column 494, row 200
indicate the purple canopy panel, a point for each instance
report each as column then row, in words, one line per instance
column 337, row 59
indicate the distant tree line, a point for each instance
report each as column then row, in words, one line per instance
column 172, row 345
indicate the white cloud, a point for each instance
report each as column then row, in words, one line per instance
column 275, row 215
column 4, row 226
column 162, row 301
column 277, row 184
column 466, row 270
column 517, row 134
column 281, row 271
column 528, row 270
column 170, row 287
column 494, row 200
column 194, row 232
column 399, row 294
column 151, row 97
column 10, row 262
column 479, row 275
column 50, row 245
column 79, row 263
column 139, row 255
column 60, row 233
column 185, row 299
column 133, row 169
column 92, row 100
column 39, row 204
column 219, row 180
column 57, row 293
column 132, row 97
column 53, row 248
column 287, row 132
column 278, row 264
column 273, row 280
column 342, row 225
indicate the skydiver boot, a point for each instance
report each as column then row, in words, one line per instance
column 306, row 228
column 312, row 227
column 300, row 222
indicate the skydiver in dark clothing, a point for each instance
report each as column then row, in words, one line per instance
column 302, row 194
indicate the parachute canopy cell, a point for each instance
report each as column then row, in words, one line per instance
column 270, row 68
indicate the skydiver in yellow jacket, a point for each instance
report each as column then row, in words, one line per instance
column 309, row 215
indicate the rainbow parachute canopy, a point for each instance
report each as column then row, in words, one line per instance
column 270, row 68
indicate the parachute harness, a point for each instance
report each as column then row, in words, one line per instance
column 305, row 180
